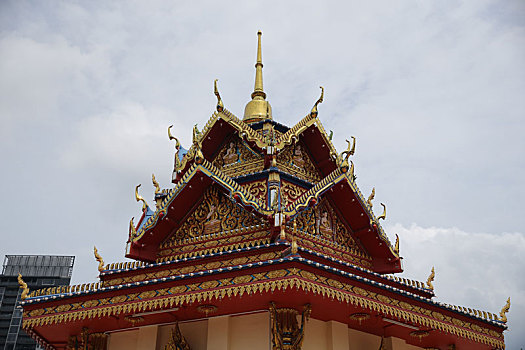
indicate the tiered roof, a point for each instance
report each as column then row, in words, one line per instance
column 266, row 211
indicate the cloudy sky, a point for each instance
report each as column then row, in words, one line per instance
column 434, row 91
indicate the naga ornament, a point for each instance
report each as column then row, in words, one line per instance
column 23, row 286
column 314, row 111
column 430, row 279
column 99, row 259
column 504, row 310
column 139, row 198
column 220, row 105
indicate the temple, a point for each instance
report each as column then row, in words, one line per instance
column 263, row 241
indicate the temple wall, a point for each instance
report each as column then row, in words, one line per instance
column 251, row 331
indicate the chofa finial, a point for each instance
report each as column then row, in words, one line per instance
column 99, row 259
column 220, row 105
column 396, row 248
column 383, row 215
column 314, row 111
column 504, row 310
column 139, row 198
column 371, row 197
column 155, row 183
column 431, row 278
column 23, row 286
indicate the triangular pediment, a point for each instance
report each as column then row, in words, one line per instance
column 295, row 159
column 214, row 214
column 323, row 222
column 236, row 158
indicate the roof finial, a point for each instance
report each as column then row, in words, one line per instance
column 258, row 90
column 258, row 108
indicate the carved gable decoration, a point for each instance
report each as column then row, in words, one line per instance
column 215, row 213
column 323, row 222
column 295, row 160
column 236, row 158
column 290, row 192
column 258, row 189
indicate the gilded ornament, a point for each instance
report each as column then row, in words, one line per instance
column 396, row 249
column 371, row 197
column 99, row 259
column 383, row 215
column 207, row 309
column 139, row 198
column 287, row 334
column 23, row 286
column 314, row 112
column 504, row 310
column 360, row 317
column 430, row 279
column 132, row 230
column 420, row 334
column 220, row 105
column 155, row 183
column 177, row 163
column 294, row 245
column 177, row 340
column 134, row 319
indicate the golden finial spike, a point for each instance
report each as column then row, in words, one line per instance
column 314, row 111
column 383, row 215
column 23, row 286
column 352, row 169
column 396, row 248
column 258, row 90
column 155, row 183
column 504, row 310
column 431, row 278
column 99, row 259
column 371, row 197
column 139, row 198
column 220, row 105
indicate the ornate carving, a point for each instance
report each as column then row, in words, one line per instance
column 23, row 286
column 431, row 278
column 177, row 341
column 139, row 198
column 87, row 341
column 286, row 332
column 504, row 310
column 215, row 213
column 290, row 192
column 257, row 188
column 322, row 221
column 236, row 158
column 295, row 160
column 99, row 259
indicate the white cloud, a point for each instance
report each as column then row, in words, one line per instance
column 475, row 270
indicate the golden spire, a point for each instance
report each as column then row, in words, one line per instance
column 258, row 89
column 258, row 108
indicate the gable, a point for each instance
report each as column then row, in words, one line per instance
column 295, row 160
column 236, row 158
column 215, row 213
column 323, row 222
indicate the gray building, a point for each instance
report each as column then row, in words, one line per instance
column 38, row 271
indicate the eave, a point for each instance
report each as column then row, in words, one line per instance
column 334, row 294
